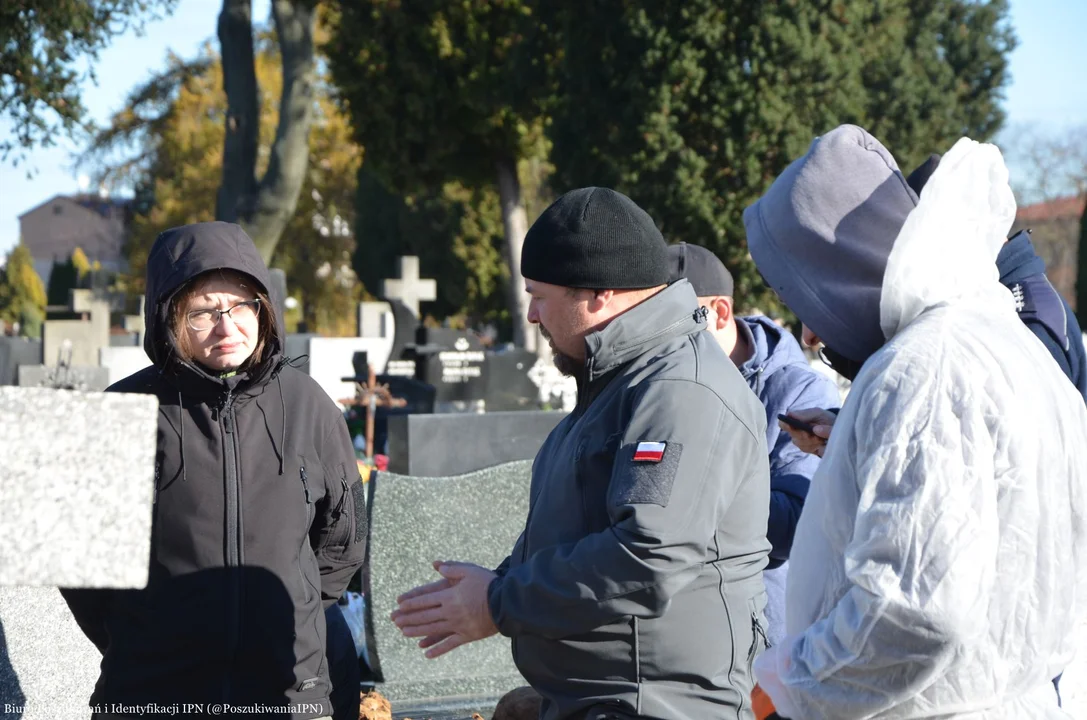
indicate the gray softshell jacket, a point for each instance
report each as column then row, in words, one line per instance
column 636, row 586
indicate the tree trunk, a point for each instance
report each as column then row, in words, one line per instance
column 265, row 208
column 242, row 112
column 1081, row 273
column 515, row 225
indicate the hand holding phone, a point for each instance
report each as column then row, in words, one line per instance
column 797, row 424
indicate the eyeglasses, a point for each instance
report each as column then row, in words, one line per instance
column 200, row 320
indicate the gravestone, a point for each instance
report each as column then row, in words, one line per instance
column 555, row 389
column 77, row 478
column 410, row 289
column 16, row 351
column 414, row 521
column 123, row 340
column 64, row 377
column 330, row 360
column 296, row 347
column 375, row 319
column 120, row 362
column 405, row 326
column 450, row 444
column 507, row 383
column 76, row 475
column 86, row 337
column 454, row 362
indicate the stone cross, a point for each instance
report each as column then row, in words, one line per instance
column 410, row 289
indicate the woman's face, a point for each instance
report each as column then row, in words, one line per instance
column 222, row 341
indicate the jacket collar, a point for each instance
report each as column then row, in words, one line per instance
column 1018, row 260
column 671, row 313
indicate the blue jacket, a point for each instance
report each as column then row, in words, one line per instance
column 780, row 375
column 1042, row 308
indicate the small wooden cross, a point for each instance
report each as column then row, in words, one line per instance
column 372, row 396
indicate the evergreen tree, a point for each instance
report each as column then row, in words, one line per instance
column 431, row 88
column 62, row 279
column 692, row 108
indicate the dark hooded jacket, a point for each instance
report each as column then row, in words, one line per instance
column 259, row 518
column 1042, row 308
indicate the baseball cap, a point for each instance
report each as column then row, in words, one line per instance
column 704, row 270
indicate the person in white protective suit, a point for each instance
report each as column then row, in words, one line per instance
column 940, row 563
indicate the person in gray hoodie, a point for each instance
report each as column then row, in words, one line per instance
column 635, row 589
column 939, row 561
column 776, row 370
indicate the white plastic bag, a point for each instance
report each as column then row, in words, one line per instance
column 354, row 612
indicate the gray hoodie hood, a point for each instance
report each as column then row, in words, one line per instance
column 822, row 233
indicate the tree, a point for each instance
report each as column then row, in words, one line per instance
column 1048, row 173
column 43, row 44
column 933, row 72
column 457, row 235
column 692, row 108
column 82, row 265
column 1045, row 164
column 431, row 89
column 63, row 278
column 174, row 124
column 22, row 294
column 264, row 207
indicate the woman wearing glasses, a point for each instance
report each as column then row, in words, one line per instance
column 259, row 518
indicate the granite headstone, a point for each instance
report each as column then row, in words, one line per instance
column 85, row 378
column 450, row 444
column 77, row 478
column 16, row 351
column 414, row 521
column 507, row 383
column 76, row 473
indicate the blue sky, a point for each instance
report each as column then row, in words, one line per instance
column 1046, row 71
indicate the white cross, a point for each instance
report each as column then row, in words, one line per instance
column 410, row 289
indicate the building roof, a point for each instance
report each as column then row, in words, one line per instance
column 95, row 203
column 1059, row 209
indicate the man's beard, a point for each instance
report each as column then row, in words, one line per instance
column 566, row 365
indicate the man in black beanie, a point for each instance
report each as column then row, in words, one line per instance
column 635, row 589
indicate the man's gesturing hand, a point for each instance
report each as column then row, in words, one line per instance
column 449, row 612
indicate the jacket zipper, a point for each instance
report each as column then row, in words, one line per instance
column 305, row 487
column 233, row 536
column 309, row 504
column 577, row 413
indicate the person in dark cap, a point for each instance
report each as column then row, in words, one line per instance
column 635, row 589
column 776, row 370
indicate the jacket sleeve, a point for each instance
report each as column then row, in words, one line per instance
column 919, row 566
column 341, row 528
column 90, row 609
column 663, row 517
column 791, row 469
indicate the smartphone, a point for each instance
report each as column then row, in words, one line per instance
column 797, row 424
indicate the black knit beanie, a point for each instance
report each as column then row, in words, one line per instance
column 598, row 239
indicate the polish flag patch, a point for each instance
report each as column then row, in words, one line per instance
column 649, row 452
